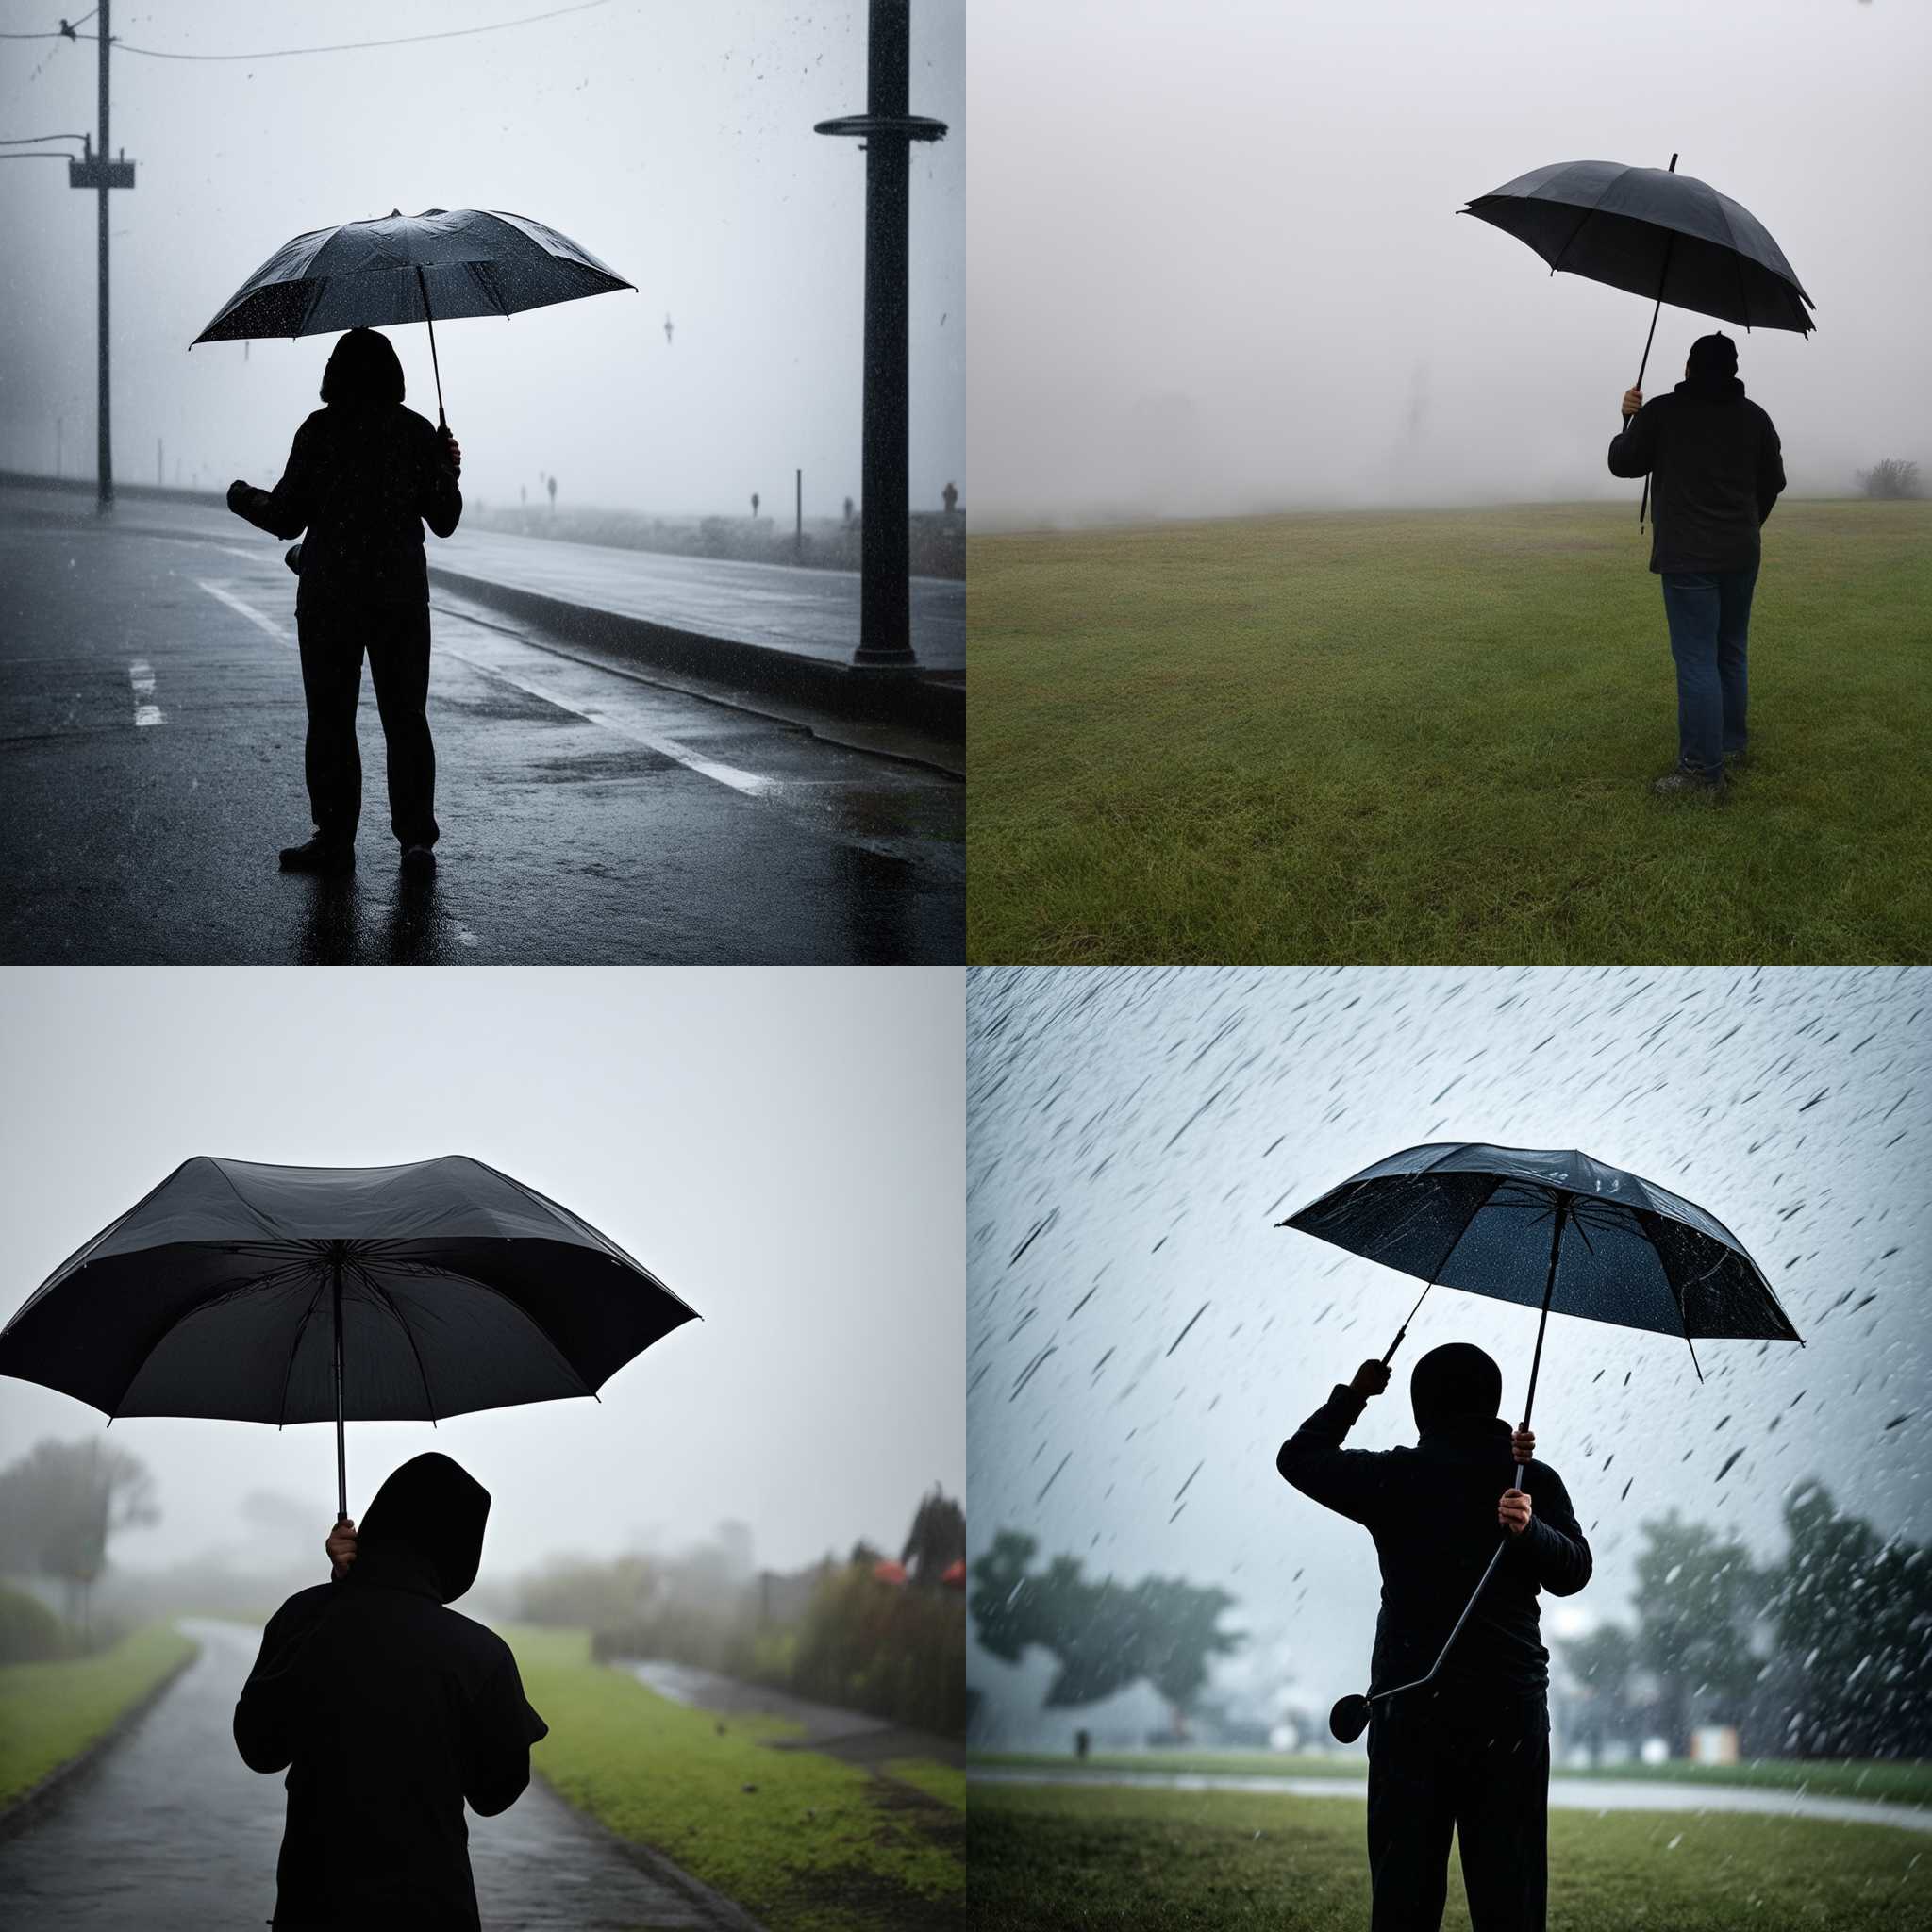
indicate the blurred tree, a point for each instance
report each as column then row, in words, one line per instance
column 936, row 1538
column 1603, row 1664
column 1892, row 478
column 1696, row 1598
column 58, row 1505
column 1105, row 1636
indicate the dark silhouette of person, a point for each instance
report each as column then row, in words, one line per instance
column 1471, row 1753
column 389, row 1711
column 363, row 477
column 1715, row 469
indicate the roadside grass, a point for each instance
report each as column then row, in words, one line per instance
column 800, row 1840
column 1391, row 738
column 52, row 1712
column 1165, row 1862
column 1902, row 1781
column 941, row 1781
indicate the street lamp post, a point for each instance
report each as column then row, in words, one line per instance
column 888, row 129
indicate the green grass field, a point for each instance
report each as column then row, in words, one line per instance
column 1907, row 1781
column 52, row 1712
column 1428, row 736
column 802, row 1842
column 1166, row 1862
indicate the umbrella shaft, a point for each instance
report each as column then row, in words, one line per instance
column 342, row 1455
column 437, row 367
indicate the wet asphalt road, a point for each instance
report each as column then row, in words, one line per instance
column 151, row 729
column 171, row 1832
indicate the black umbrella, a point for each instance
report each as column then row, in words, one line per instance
column 409, row 268
column 291, row 1295
column 1553, row 1229
column 1654, row 232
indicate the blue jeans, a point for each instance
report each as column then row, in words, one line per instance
column 1709, row 615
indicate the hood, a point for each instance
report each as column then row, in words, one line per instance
column 423, row 1530
column 1454, row 1385
column 363, row 371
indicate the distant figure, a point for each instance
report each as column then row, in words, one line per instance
column 388, row 1712
column 363, row 477
column 1082, row 1742
column 667, row 329
column 1715, row 471
column 950, row 498
column 1472, row 1753
column 552, row 483
column 848, row 512
column 754, row 506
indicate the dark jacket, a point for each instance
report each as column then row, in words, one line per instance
column 362, row 480
column 1715, row 470
column 389, row 1711
column 1432, row 1511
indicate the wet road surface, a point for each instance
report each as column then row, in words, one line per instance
column 151, row 728
column 171, row 1832
column 1566, row 1793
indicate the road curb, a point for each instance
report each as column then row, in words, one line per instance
column 28, row 1807
column 730, row 1916
column 913, row 699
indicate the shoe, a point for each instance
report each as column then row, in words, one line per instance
column 1737, row 761
column 419, row 861
column 1680, row 781
column 321, row 857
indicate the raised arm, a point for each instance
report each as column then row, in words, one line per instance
column 267, row 1708
column 441, row 504
column 285, row 510
column 1547, row 1533
column 1633, row 449
column 1348, row 1481
column 1771, row 471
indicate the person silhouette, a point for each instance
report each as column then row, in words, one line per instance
column 363, row 477
column 389, row 1711
column 1468, row 1754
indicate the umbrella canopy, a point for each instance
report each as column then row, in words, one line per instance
column 1548, row 1227
column 291, row 1295
column 450, row 263
column 1654, row 233
column 1555, row 1229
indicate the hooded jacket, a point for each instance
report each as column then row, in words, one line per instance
column 1432, row 1512
column 363, row 477
column 389, row 1711
column 1715, row 469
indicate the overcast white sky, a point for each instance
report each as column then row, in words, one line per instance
column 1215, row 263
column 672, row 141
column 1165, row 1121
column 782, row 1147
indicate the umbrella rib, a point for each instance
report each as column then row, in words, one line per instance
column 295, row 1348
column 371, row 1282
column 481, row 270
column 456, row 1274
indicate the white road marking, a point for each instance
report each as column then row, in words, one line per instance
column 751, row 784
column 140, row 676
column 247, row 610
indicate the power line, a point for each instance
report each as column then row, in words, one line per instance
column 29, row 140
column 341, row 47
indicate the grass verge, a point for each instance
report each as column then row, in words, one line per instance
column 800, row 1840
column 1904, row 1781
column 940, row 1781
column 1394, row 737
column 1110, row 1860
column 52, row 1712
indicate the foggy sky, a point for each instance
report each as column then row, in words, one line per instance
column 783, row 1149
column 673, row 142
column 1216, row 263
column 1159, row 1124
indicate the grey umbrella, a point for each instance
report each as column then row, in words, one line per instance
column 1652, row 231
column 450, row 263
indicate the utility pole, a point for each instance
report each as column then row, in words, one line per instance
column 889, row 131
column 97, row 172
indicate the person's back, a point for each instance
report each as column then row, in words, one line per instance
column 389, row 1711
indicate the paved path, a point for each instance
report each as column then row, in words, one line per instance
column 151, row 730
column 851, row 1734
column 171, row 1832
column 1566, row 1793
column 810, row 613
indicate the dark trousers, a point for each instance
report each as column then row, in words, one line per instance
column 1710, row 616
column 334, row 637
column 1432, row 1771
